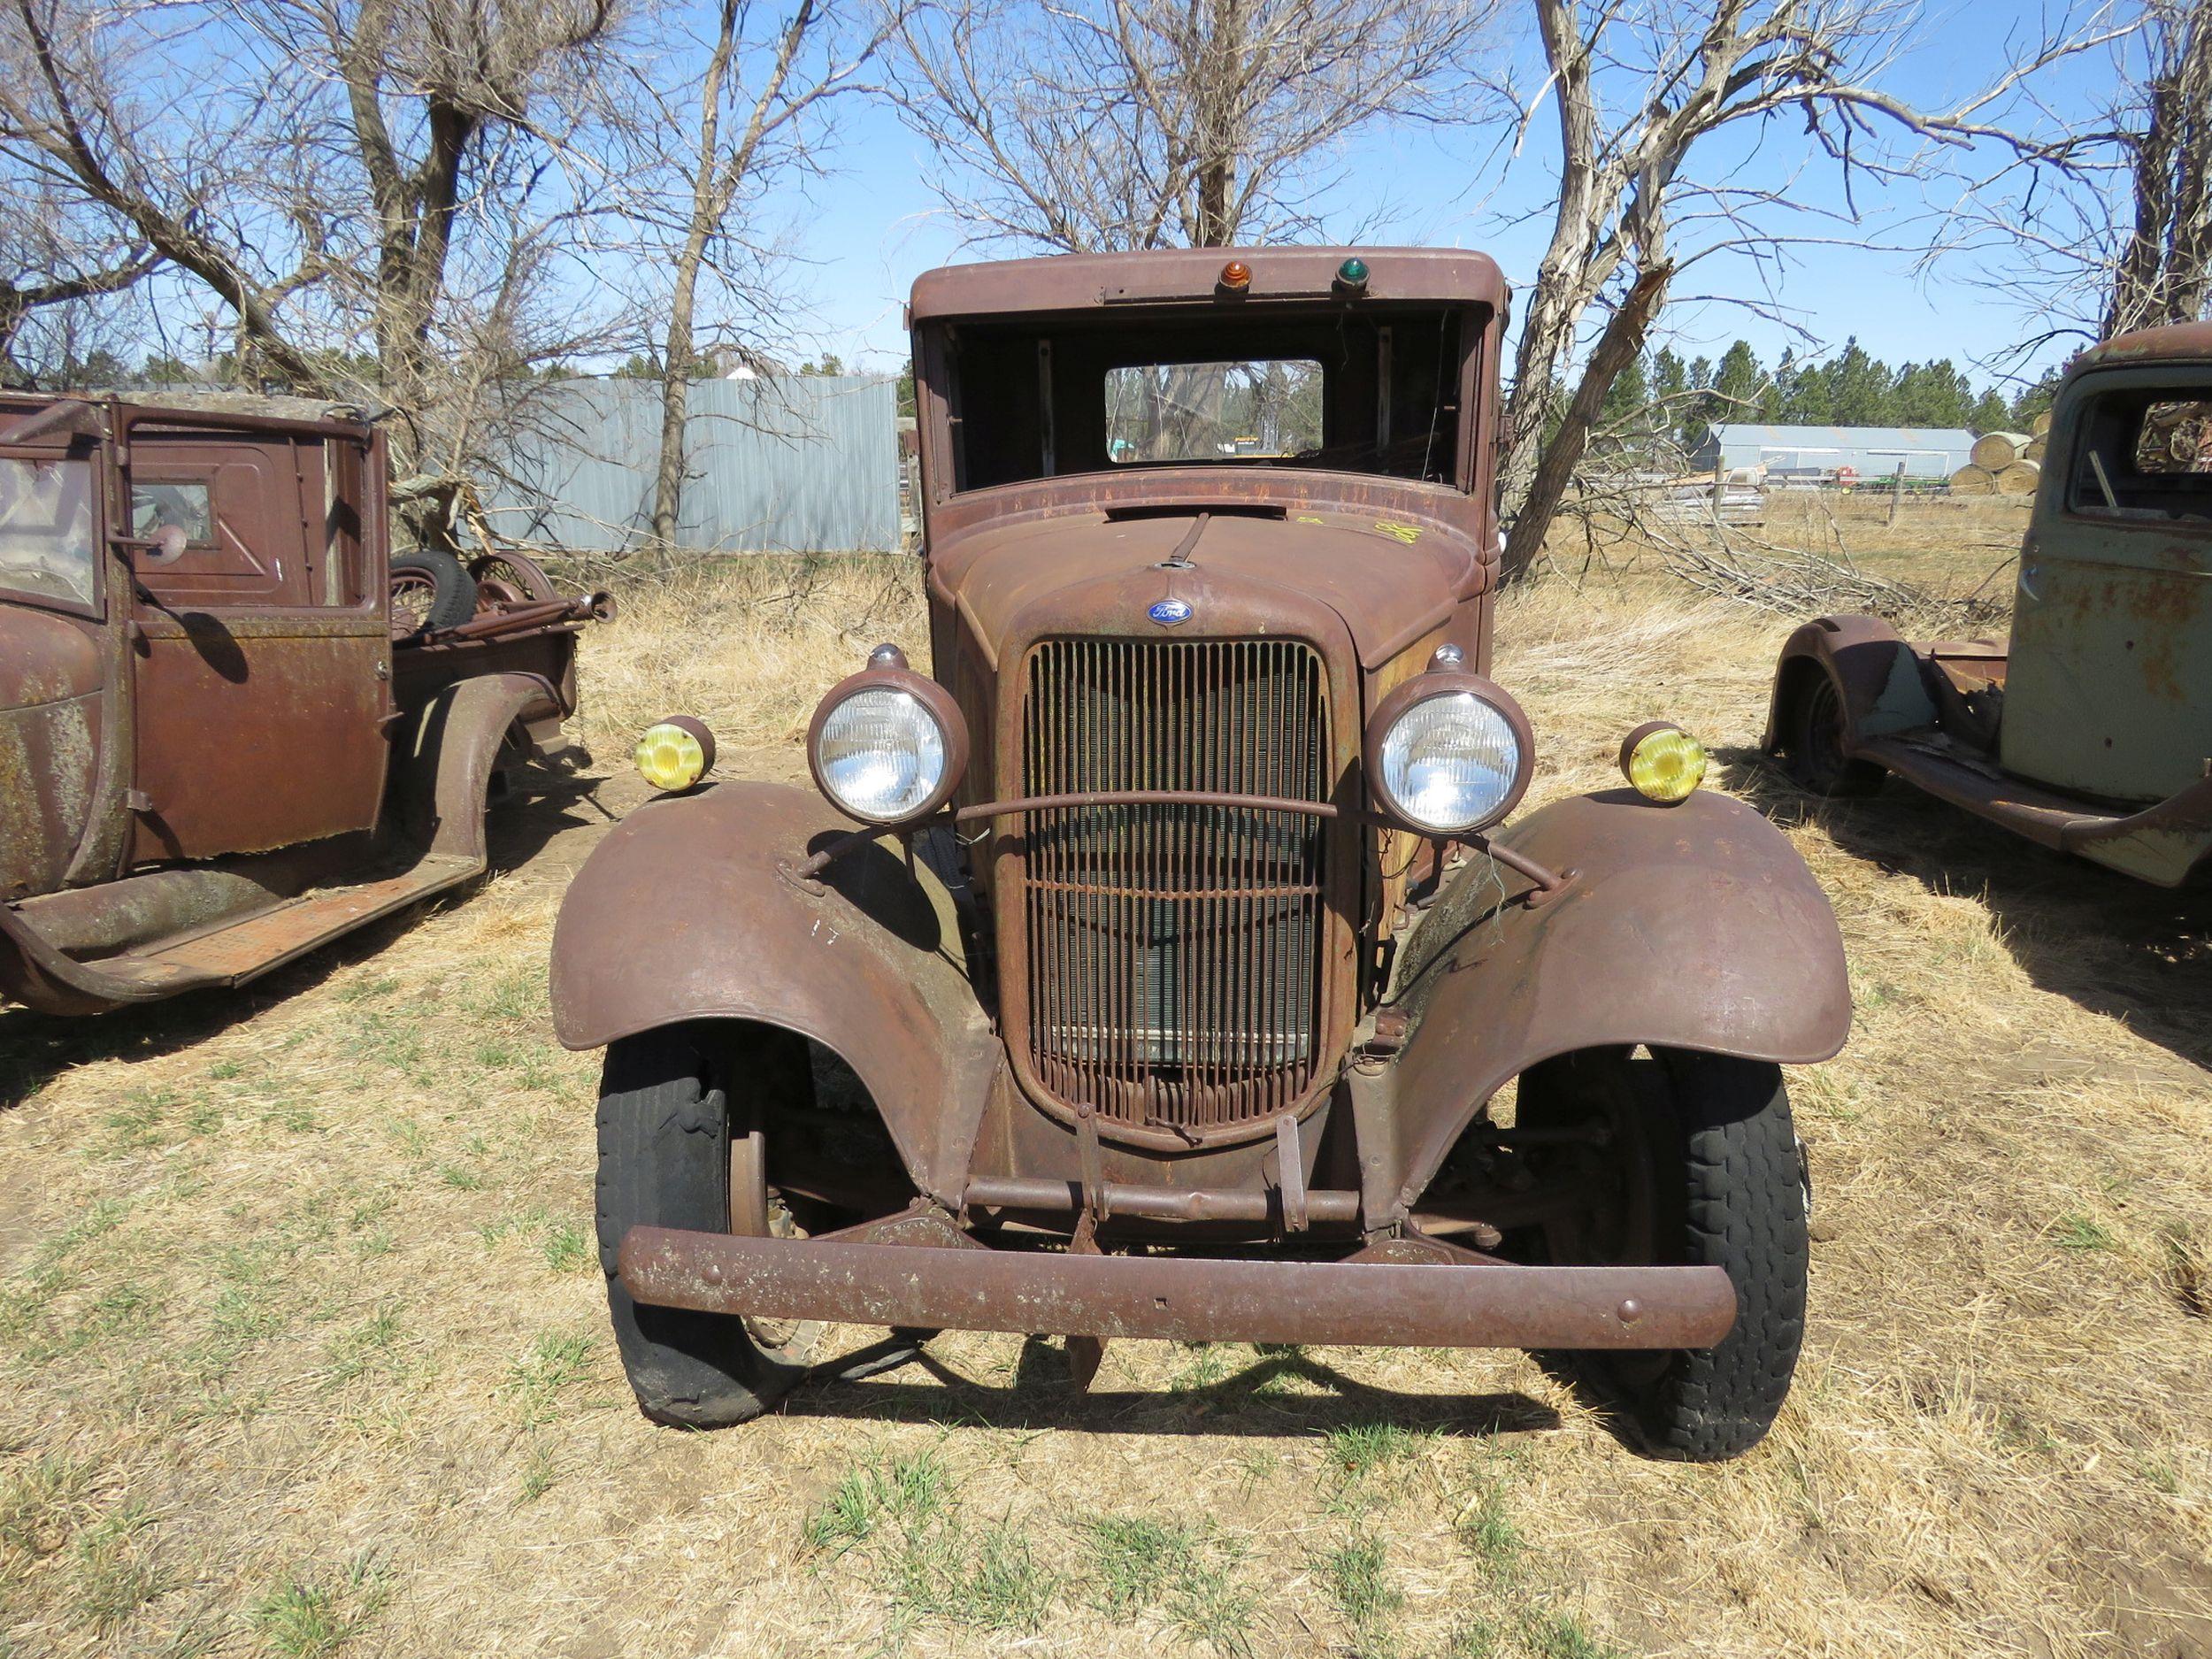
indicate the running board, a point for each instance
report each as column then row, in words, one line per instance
column 229, row 953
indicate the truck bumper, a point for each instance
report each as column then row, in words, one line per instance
column 1393, row 1303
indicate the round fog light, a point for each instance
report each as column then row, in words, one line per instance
column 1661, row 761
column 675, row 753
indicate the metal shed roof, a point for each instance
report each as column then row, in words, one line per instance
column 1858, row 439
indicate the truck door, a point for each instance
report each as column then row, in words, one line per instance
column 264, row 656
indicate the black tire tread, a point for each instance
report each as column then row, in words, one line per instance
column 1845, row 778
column 1745, row 1213
column 663, row 1151
column 453, row 600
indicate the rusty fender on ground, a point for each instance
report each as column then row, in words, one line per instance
column 442, row 768
column 1876, row 673
column 1689, row 926
column 689, row 910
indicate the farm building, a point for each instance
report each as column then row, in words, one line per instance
column 1869, row 451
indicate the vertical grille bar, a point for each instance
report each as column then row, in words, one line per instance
column 1174, row 951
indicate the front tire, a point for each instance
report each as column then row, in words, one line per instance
column 1812, row 746
column 665, row 1131
column 1703, row 1168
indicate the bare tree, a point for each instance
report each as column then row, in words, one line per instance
column 2105, row 224
column 810, row 56
column 58, row 271
column 368, row 188
column 1120, row 124
column 1639, row 88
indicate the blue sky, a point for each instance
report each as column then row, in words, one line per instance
column 870, row 228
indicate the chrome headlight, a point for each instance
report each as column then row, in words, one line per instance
column 1448, row 753
column 887, row 746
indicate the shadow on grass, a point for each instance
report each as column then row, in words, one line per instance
column 35, row 1048
column 1249, row 1400
column 2112, row 945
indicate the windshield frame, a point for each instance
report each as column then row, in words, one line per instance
column 87, row 456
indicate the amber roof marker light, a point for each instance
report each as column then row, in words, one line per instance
column 1236, row 277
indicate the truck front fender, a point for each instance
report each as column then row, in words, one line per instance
column 1877, row 675
column 1694, row 926
column 689, row 910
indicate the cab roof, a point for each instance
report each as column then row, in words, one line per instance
column 1188, row 276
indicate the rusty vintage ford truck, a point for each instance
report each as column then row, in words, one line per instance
column 1167, row 962
column 233, row 723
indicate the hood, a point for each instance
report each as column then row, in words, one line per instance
column 1389, row 582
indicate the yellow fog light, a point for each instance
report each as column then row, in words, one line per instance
column 1663, row 762
column 675, row 753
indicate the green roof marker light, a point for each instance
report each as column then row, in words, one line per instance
column 1352, row 273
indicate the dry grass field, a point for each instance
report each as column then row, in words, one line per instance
column 302, row 1346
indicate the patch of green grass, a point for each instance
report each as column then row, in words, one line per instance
column 111, row 1577
column 223, row 1070
column 906, row 1491
column 241, row 1314
column 367, row 1348
column 538, row 1476
column 137, row 1122
column 413, row 1138
column 517, row 996
column 2161, row 1475
column 1207, row 1365
column 369, row 1246
column 1135, row 1558
column 999, row 1587
column 568, row 1249
column 551, row 1364
column 43, row 1505
column 1477, row 1639
column 1549, row 1633
column 368, row 989
column 2076, row 1231
column 205, row 1119
column 461, row 1178
column 310, row 1618
column 1361, row 1448
column 1357, row 1579
column 1486, row 1527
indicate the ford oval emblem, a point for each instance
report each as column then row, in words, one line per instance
column 1168, row 612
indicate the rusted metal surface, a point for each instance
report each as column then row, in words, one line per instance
column 51, row 680
column 1079, row 281
column 203, row 728
column 1174, row 967
column 1174, row 1203
column 1400, row 1304
column 2090, row 730
column 1695, row 926
column 689, row 910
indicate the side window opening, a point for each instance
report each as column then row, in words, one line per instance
column 188, row 506
column 2145, row 454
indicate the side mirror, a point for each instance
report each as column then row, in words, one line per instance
column 166, row 545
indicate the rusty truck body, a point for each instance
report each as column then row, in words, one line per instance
column 2089, row 731
column 227, row 733
column 1163, row 964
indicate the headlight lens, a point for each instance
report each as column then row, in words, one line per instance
column 1450, row 761
column 880, row 754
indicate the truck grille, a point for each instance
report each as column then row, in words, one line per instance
column 1174, row 952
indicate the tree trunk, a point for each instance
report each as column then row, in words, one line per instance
column 1618, row 347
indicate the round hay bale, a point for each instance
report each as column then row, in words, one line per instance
column 2019, row 479
column 2034, row 451
column 2040, row 426
column 1973, row 480
column 1997, row 450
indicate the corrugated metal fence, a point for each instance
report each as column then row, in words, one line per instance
column 796, row 463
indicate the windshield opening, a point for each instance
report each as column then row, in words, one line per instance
column 1375, row 390
column 46, row 546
